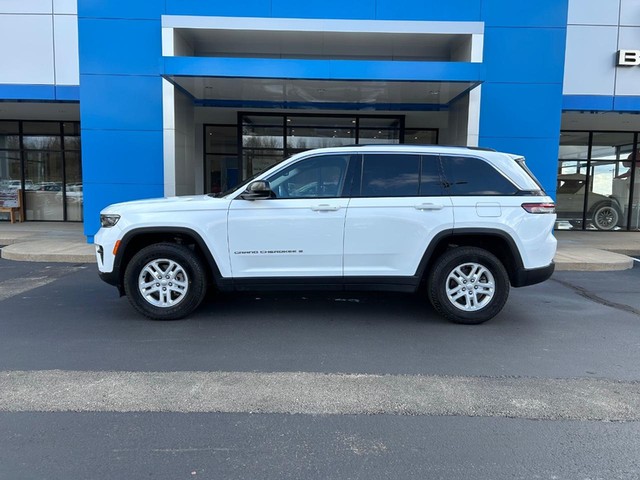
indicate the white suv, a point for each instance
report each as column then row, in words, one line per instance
column 464, row 223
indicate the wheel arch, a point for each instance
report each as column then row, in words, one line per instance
column 497, row 242
column 134, row 240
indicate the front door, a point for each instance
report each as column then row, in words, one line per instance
column 299, row 232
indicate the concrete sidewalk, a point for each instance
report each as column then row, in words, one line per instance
column 65, row 242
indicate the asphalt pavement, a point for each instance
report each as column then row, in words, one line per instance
column 317, row 385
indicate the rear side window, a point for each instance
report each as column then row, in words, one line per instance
column 473, row 176
column 390, row 175
column 430, row 179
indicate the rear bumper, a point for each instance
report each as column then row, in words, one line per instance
column 531, row 276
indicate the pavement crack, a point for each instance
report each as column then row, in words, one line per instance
column 589, row 295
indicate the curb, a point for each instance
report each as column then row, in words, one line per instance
column 586, row 259
column 49, row 251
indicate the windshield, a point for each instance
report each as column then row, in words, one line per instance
column 244, row 183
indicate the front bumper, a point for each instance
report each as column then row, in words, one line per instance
column 531, row 276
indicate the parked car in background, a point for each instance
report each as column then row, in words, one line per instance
column 603, row 212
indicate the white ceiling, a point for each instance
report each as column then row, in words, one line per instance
column 319, row 44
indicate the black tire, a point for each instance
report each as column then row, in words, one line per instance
column 190, row 267
column 439, row 280
column 606, row 216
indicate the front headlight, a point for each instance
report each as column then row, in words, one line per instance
column 108, row 221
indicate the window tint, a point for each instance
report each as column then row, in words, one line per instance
column 472, row 176
column 316, row 177
column 390, row 175
column 430, row 180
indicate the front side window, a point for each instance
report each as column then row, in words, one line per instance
column 317, row 177
column 473, row 176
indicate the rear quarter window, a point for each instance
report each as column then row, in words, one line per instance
column 473, row 176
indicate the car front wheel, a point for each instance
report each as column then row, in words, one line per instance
column 468, row 285
column 165, row 281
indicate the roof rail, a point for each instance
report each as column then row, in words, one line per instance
column 484, row 149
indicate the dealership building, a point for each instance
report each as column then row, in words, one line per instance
column 108, row 101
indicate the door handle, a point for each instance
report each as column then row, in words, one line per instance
column 325, row 208
column 429, row 206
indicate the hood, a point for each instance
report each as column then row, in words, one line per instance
column 194, row 202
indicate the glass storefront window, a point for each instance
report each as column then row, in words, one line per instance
column 306, row 138
column 41, row 142
column 72, row 143
column 595, row 181
column 44, row 159
column 9, row 142
column 572, row 179
column 43, row 185
column 41, row 128
column 267, row 139
column 379, row 136
column 421, row 137
column 9, row 128
column 73, row 189
column 256, row 161
column 71, row 128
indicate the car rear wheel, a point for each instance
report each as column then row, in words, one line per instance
column 606, row 217
column 468, row 285
column 165, row 281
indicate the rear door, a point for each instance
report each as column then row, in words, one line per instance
column 394, row 213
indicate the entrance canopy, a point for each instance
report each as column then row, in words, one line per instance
column 319, row 94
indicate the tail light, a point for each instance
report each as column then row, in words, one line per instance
column 539, row 207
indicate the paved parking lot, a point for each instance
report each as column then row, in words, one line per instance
column 317, row 386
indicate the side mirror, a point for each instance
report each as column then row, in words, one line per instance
column 257, row 190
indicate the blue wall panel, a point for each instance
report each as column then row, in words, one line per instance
column 121, row 140
column 324, row 69
column 362, row 9
column 541, row 155
column 524, row 55
column 127, row 157
column 520, row 110
column 27, row 92
column 513, row 13
column 116, row 102
column 587, row 102
column 433, row 10
column 120, row 46
column 119, row 166
column 244, row 8
column 99, row 195
column 140, row 9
